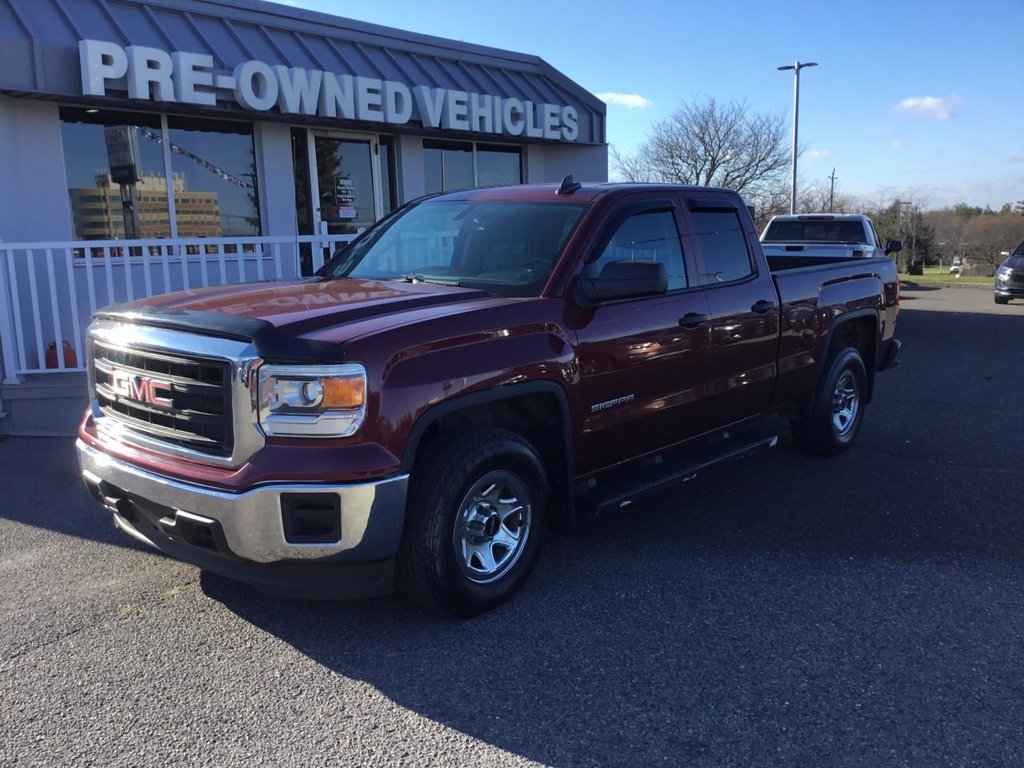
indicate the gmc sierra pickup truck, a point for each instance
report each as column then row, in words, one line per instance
column 850, row 235
column 476, row 368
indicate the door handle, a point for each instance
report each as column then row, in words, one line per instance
column 762, row 306
column 692, row 319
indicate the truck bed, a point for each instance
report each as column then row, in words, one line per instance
column 780, row 263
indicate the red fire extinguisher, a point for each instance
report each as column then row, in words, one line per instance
column 70, row 358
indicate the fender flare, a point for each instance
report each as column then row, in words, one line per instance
column 493, row 395
column 869, row 365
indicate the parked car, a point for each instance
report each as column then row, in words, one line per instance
column 957, row 266
column 1010, row 277
column 476, row 367
column 850, row 235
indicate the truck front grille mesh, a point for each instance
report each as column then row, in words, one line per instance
column 199, row 389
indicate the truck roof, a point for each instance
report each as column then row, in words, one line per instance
column 820, row 217
column 587, row 191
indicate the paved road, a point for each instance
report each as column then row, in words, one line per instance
column 866, row 610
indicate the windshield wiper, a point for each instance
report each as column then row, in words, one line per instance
column 414, row 278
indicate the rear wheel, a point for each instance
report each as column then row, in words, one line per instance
column 475, row 523
column 1002, row 299
column 838, row 408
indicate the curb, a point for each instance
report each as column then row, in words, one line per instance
column 912, row 284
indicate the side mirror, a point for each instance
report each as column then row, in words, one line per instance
column 626, row 279
column 893, row 246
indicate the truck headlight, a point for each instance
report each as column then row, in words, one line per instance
column 312, row 400
column 1004, row 273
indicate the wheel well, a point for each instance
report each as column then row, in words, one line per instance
column 539, row 417
column 862, row 334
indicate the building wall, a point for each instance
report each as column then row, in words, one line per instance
column 410, row 168
column 276, row 173
column 33, row 190
column 548, row 163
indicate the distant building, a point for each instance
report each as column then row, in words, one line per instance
column 99, row 214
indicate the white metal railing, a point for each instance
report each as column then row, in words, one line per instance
column 48, row 291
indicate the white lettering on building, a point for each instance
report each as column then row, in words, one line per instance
column 152, row 74
column 194, row 83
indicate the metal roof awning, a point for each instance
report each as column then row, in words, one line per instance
column 40, row 43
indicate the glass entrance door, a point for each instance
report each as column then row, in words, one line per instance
column 346, row 184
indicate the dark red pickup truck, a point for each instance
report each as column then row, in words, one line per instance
column 476, row 368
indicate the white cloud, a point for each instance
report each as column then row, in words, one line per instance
column 901, row 143
column 631, row 100
column 818, row 154
column 929, row 106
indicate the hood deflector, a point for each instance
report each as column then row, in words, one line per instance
column 269, row 342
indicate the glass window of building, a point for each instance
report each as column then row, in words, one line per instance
column 114, row 165
column 496, row 164
column 387, row 181
column 345, row 180
column 213, row 165
column 455, row 165
column 300, row 161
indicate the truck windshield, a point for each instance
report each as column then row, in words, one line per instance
column 502, row 246
column 815, row 232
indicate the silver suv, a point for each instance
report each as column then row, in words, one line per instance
column 1010, row 277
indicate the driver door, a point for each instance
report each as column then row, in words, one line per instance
column 643, row 360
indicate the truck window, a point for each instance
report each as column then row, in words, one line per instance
column 818, row 231
column 505, row 247
column 721, row 240
column 647, row 236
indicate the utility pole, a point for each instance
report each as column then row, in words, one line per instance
column 796, row 118
column 899, row 226
column 832, row 190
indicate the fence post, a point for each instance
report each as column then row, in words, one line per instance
column 8, row 341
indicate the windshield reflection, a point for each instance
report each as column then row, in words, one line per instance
column 507, row 247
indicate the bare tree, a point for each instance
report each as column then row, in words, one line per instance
column 815, row 199
column 632, row 167
column 991, row 233
column 950, row 232
column 709, row 143
column 977, row 234
column 771, row 201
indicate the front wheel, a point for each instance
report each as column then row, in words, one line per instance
column 838, row 408
column 475, row 523
column 1002, row 299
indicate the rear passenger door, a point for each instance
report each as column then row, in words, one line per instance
column 642, row 361
column 743, row 306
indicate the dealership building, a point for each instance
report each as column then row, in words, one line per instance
column 149, row 145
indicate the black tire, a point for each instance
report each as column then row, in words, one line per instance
column 441, row 560
column 1002, row 299
column 825, row 431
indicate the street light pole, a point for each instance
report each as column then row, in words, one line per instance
column 796, row 118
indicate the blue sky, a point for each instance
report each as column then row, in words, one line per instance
column 912, row 99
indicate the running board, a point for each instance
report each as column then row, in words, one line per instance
column 621, row 488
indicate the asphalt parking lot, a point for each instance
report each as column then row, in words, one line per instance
column 865, row 610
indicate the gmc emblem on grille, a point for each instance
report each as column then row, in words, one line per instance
column 142, row 388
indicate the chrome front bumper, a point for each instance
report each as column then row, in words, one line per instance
column 248, row 525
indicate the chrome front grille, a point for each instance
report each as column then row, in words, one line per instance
column 173, row 397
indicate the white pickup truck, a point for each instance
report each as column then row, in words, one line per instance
column 825, row 234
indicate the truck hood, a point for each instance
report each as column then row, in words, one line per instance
column 283, row 320
column 302, row 307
